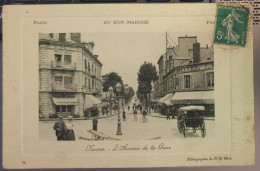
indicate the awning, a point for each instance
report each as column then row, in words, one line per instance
column 193, row 97
column 91, row 101
column 166, row 99
column 65, row 101
column 155, row 100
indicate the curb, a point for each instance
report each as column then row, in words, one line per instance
column 157, row 116
column 209, row 119
column 101, row 117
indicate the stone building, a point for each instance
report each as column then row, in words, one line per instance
column 69, row 75
column 186, row 75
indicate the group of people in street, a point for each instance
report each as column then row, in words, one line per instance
column 143, row 112
column 64, row 131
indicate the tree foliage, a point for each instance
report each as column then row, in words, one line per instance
column 113, row 79
column 147, row 73
column 130, row 94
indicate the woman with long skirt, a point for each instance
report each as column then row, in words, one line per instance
column 70, row 136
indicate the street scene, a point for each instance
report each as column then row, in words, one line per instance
column 140, row 86
column 131, row 130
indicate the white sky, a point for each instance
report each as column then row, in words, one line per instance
column 124, row 53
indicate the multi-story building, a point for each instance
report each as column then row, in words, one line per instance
column 186, row 75
column 69, row 75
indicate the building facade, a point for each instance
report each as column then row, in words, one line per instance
column 68, row 71
column 187, row 71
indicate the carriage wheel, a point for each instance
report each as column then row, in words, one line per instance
column 194, row 129
column 184, row 129
column 179, row 127
column 203, row 130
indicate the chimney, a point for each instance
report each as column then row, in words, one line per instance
column 96, row 56
column 90, row 46
column 196, row 52
column 76, row 37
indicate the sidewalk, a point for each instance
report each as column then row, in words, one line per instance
column 157, row 115
column 164, row 116
column 99, row 117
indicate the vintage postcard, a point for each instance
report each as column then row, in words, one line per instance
column 119, row 86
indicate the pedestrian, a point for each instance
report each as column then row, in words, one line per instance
column 173, row 117
column 141, row 109
column 70, row 136
column 128, row 108
column 133, row 108
column 168, row 113
column 144, row 116
column 135, row 115
column 152, row 107
column 124, row 117
column 60, row 128
column 95, row 123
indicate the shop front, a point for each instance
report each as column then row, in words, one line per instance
column 197, row 98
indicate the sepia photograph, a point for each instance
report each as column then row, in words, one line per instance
column 125, row 86
column 131, row 86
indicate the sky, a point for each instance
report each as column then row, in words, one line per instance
column 124, row 53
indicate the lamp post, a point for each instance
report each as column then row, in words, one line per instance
column 110, row 89
column 118, row 90
column 126, row 91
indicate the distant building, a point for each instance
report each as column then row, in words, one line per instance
column 187, row 72
column 69, row 74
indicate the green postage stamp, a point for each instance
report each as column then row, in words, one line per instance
column 231, row 25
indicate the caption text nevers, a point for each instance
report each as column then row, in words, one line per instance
column 127, row 147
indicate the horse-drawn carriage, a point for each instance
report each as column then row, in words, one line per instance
column 191, row 118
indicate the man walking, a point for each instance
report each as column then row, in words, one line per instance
column 144, row 115
column 135, row 115
column 95, row 123
column 60, row 128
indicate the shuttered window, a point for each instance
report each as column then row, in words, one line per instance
column 187, row 81
column 68, row 82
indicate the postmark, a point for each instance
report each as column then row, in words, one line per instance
column 231, row 25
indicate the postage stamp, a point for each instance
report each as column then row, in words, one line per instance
column 231, row 25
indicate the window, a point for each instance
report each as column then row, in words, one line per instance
column 63, row 108
column 89, row 83
column 67, row 59
column 58, row 80
column 70, row 108
column 187, row 81
column 88, row 67
column 62, row 36
column 210, row 79
column 58, row 59
column 86, row 82
column 57, row 109
column 85, row 62
column 68, row 82
column 176, row 81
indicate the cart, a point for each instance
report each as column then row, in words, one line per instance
column 191, row 118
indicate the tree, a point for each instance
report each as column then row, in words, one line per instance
column 130, row 95
column 147, row 73
column 112, row 80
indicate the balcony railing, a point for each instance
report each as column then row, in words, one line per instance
column 62, row 65
column 65, row 88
